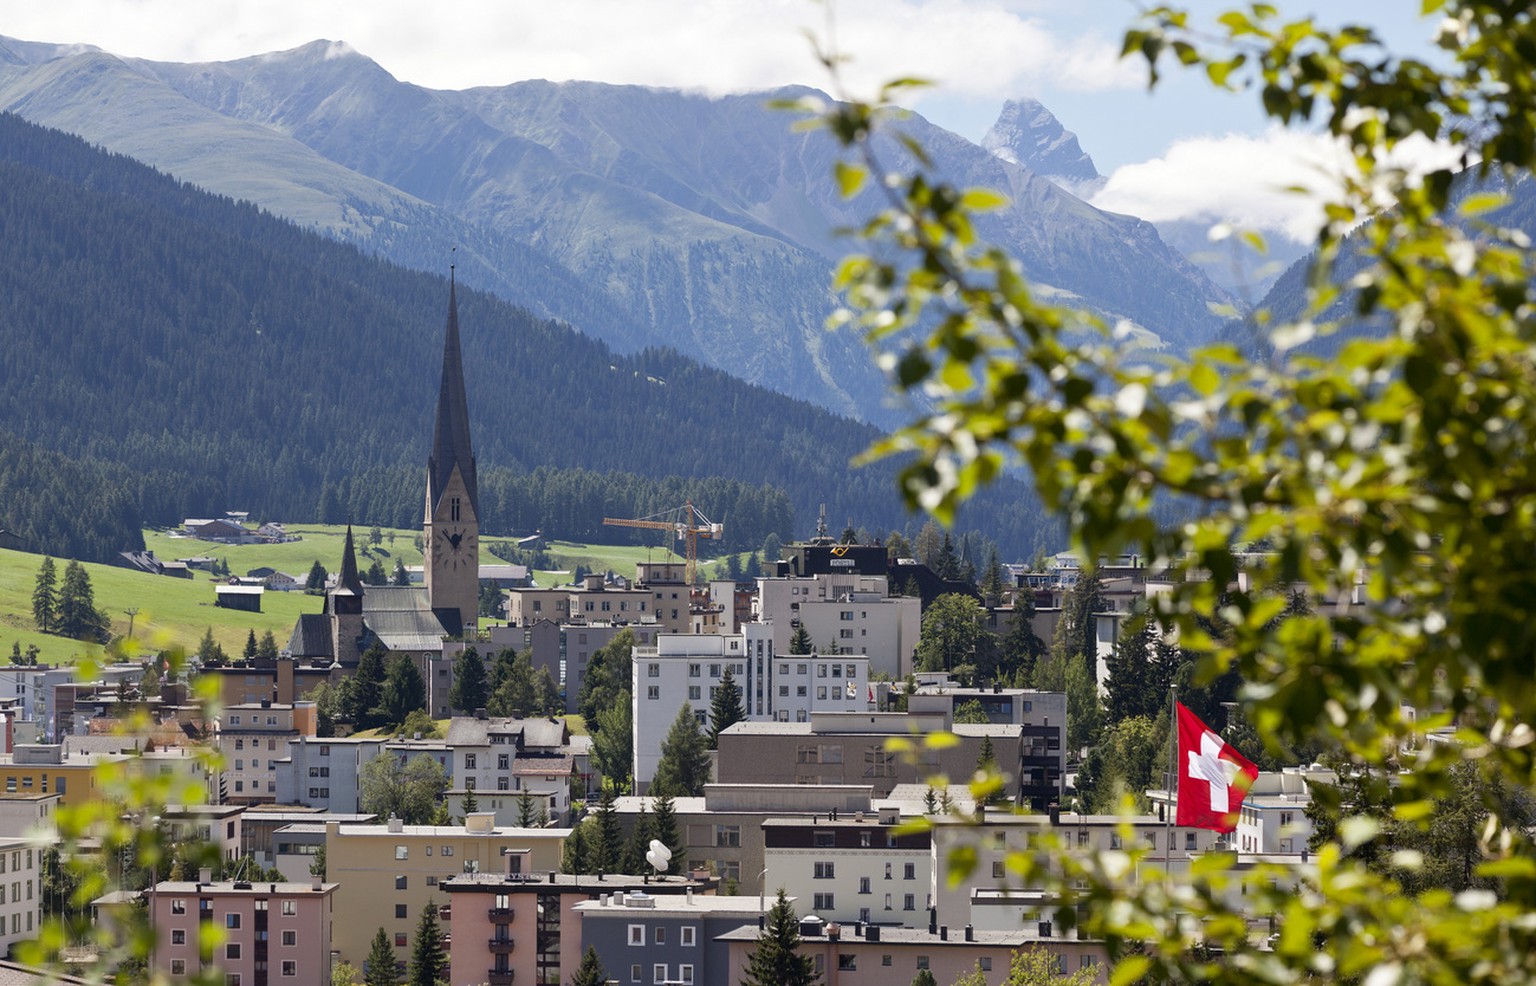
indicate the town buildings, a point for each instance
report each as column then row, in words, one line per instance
column 270, row 933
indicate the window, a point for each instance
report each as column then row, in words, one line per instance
column 863, row 884
column 653, row 693
column 178, row 906
column 402, row 852
column 653, row 670
column 231, row 979
column 400, row 883
column 290, row 907
column 822, row 902
column 728, row 835
column 847, row 962
column 821, row 692
column 1045, row 929
column 178, row 936
column 824, row 871
column 178, row 967
column 401, row 911
column 290, row 938
column 909, row 871
column 659, row 972
column 469, row 761
column 693, row 670
column 447, row 850
column 290, row 967
column 1189, row 840
column 231, row 920
column 986, row 963
column 685, row 973
column 232, row 950
column 922, row 961
column 909, row 902
column 687, row 938
column 637, row 934
column 661, row 935
column 885, row 959
column 400, row 939
column 997, row 870
column 823, row 839
column 634, row 973
column 503, row 761
column 693, row 693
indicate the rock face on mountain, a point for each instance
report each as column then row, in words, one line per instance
column 644, row 217
column 1029, row 135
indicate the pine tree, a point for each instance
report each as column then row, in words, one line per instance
column 209, row 651
column 725, row 709
column 683, row 768
column 376, row 574
column 573, row 855
column 401, row 577
column 266, row 650
column 590, row 972
column 250, row 646
column 379, row 969
column 468, row 693
column 368, row 689
column 992, row 582
column 404, row 691
column 605, row 853
column 800, row 641
column 777, row 960
column 524, row 808
column 469, row 803
column 317, row 576
column 77, row 615
column 924, row 977
column 45, row 602
column 429, row 964
column 1021, row 646
column 664, row 814
column 640, row 836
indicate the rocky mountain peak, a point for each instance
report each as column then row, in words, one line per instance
column 1028, row 134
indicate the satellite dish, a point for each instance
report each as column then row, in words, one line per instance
column 659, row 856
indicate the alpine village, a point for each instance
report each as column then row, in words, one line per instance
column 677, row 682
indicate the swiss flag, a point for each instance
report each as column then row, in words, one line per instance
column 1213, row 777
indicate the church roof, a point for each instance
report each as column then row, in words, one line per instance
column 311, row 636
column 350, row 583
column 402, row 618
column 450, row 437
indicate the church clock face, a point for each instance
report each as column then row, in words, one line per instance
column 455, row 546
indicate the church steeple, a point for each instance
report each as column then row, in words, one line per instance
column 349, row 582
column 450, row 439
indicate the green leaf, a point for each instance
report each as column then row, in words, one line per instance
column 982, row 200
column 1129, row 970
column 850, row 178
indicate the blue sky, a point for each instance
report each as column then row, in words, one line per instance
column 1163, row 151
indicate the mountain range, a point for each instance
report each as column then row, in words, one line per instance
column 642, row 217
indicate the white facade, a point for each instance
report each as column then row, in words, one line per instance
column 21, row 891
column 774, row 687
column 850, row 871
column 853, row 612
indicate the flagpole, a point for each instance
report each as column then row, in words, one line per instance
column 1173, row 779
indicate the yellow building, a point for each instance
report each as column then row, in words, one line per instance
column 51, row 768
column 389, row 872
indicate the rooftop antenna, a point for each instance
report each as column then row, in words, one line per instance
column 821, row 522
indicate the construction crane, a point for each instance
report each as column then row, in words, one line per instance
column 687, row 521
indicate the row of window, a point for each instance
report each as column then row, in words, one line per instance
column 205, row 905
column 234, row 720
column 659, row 973
column 404, row 852
column 503, row 761
column 290, row 939
column 825, row 901
column 289, row 968
column 687, row 936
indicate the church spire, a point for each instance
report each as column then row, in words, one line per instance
column 349, row 581
column 450, row 439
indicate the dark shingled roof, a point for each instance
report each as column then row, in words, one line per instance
column 311, row 636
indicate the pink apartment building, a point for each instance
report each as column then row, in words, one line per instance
column 269, row 934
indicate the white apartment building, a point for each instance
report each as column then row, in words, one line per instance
column 21, row 891
column 855, row 613
column 774, row 686
column 252, row 738
column 851, row 866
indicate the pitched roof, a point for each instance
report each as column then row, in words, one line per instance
column 311, row 636
column 350, row 583
column 450, row 436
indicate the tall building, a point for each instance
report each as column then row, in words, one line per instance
column 452, row 523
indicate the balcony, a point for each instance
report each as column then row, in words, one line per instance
column 501, row 946
column 499, row 977
column 501, row 914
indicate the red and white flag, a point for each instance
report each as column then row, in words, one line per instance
column 1213, row 777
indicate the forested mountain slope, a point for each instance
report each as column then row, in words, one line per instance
column 224, row 358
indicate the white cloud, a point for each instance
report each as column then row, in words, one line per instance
column 988, row 48
column 1276, row 182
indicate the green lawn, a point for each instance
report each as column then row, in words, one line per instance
column 177, row 611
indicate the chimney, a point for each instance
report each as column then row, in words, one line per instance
column 205, row 875
column 1055, row 813
column 933, row 921
column 316, row 883
column 872, row 933
column 970, row 933
column 688, row 895
column 943, row 932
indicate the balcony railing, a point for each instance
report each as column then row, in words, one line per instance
column 499, row 977
column 502, row 913
column 501, row 946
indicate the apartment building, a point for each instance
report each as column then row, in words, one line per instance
column 646, row 938
column 500, row 757
column 389, row 872
column 270, row 934
column 253, row 738
column 21, row 890
column 52, row 768
column 524, row 927
column 853, row 612
column 1042, row 716
column 849, row 867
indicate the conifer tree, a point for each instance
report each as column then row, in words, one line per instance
column 250, row 645
column 317, row 576
column 368, row 689
column 266, row 650
column 590, row 972
column 683, row 768
column 665, row 820
column 573, row 855
column 401, row 577
column 725, row 709
column 404, row 691
column 469, row 803
column 379, row 969
column 469, row 691
column 429, row 964
column 77, row 615
column 640, row 836
column 45, row 602
column 800, row 641
column 777, row 960
column 524, row 808
column 1021, row 646
column 608, row 845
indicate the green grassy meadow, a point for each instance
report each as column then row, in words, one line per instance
column 176, row 612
